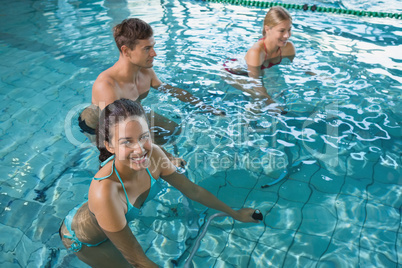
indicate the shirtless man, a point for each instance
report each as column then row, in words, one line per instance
column 131, row 77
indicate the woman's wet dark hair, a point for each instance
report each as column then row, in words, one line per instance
column 113, row 114
column 129, row 31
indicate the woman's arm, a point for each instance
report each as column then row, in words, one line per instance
column 251, row 84
column 258, row 90
column 203, row 196
column 167, row 171
column 129, row 247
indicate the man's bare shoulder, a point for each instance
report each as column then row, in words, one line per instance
column 104, row 89
column 104, row 81
column 147, row 72
column 149, row 78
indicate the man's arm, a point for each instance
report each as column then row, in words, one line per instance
column 183, row 95
column 252, row 84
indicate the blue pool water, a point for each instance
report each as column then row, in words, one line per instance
column 338, row 150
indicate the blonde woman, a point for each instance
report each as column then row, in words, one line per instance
column 265, row 53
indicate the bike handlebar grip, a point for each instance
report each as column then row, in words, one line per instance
column 257, row 215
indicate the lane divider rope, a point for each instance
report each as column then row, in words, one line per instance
column 306, row 7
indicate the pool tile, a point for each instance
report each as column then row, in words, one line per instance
column 174, row 230
column 387, row 194
column 25, row 83
column 237, row 251
column 210, row 262
column 381, row 241
column 398, row 244
column 18, row 213
column 170, row 249
column 351, row 209
column 8, row 145
column 65, row 198
column 295, row 191
column 347, row 232
column 12, row 190
column 53, row 77
column 232, row 196
column 389, row 217
column 5, row 71
column 49, row 256
column 274, row 164
column 68, row 259
column 248, row 231
column 355, row 187
column 36, row 111
column 22, row 136
column 214, row 242
column 31, row 119
column 383, row 172
column 278, row 239
column 266, row 256
column 285, row 215
column 213, row 183
column 360, row 169
column 11, row 240
column 21, row 94
column 309, row 246
column 9, row 110
column 323, row 199
column 261, row 200
column 317, row 220
column 305, row 172
column 28, row 248
column 240, row 179
column 6, row 260
column 293, row 260
column 61, row 150
column 327, row 183
column 369, row 258
column 39, row 232
column 331, row 257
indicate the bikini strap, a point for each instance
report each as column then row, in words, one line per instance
column 152, row 178
column 104, row 163
column 107, row 161
column 129, row 205
column 265, row 49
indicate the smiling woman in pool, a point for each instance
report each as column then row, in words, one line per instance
column 130, row 175
column 265, row 53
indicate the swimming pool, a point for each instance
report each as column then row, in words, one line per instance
column 339, row 204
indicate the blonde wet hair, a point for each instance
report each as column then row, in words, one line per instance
column 274, row 16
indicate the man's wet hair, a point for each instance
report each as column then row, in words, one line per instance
column 130, row 31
